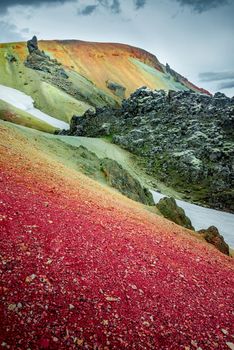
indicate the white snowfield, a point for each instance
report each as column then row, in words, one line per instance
column 24, row 102
column 203, row 218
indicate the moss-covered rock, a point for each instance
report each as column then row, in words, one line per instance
column 212, row 236
column 171, row 211
column 120, row 179
column 185, row 140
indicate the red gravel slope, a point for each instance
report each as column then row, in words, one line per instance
column 85, row 268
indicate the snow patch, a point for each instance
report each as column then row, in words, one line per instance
column 203, row 218
column 24, row 102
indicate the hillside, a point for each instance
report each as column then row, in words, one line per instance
column 84, row 267
column 87, row 260
column 69, row 77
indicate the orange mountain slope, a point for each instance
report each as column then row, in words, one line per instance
column 83, row 267
column 99, row 62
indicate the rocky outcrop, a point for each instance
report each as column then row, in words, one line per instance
column 184, row 139
column 212, row 236
column 10, row 58
column 120, row 179
column 116, row 88
column 54, row 73
column 111, row 173
column 38, row 60
column 171, row 211
column 32, row 46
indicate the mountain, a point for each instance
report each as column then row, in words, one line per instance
column 68, row 77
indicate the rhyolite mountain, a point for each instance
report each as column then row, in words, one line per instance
column 66, row 77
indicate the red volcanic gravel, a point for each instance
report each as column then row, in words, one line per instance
column 76, row 275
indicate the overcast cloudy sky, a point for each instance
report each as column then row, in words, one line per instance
column 196, row 37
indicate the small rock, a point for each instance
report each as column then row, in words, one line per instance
column 79, row 342
column 49, row 261
column 194, row 343
column 12, row 307
column 133, row 286
column 112, row 299
column 30, row 278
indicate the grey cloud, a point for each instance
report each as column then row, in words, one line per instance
column 88, row 10
column 139, row 4
column 115, row 7
column 226, row 85
column 9, row 32
column 200, row 6
column 111, row 5
column 5, row 4
column 214, row 76
column 25, row 30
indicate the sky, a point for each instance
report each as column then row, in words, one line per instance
column 196, row 37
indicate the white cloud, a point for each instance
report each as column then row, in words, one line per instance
column 189, row 42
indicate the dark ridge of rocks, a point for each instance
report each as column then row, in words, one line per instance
column 116, row 88
column 171, row 211
column 183, row 138
column 212, row 236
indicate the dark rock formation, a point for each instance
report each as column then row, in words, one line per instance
column 111, row 173
column 116, row 88
column 120, row 179
column 32, row 45
column 38, row 60
column 184, row 139
column 11, row 58
column 213, row 236
column 171, row 211
column 173, row 73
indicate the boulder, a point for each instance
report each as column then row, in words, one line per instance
column 11, row 58
column 116, row 88
column 212, row 236
column 119, row 178
column 171, row 211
